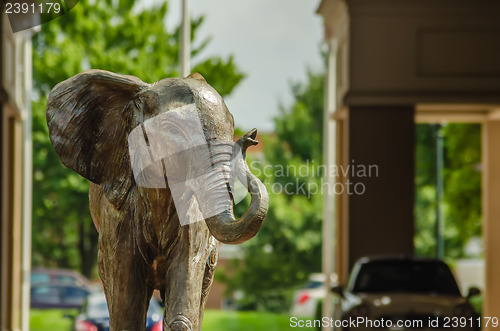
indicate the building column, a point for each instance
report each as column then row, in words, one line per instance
column 11, row 219
column 15, row 176
column 380, row 190
column 341, row 200
column 491, row 218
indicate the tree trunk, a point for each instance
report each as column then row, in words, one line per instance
column 87, row 247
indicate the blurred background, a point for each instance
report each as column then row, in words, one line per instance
column 378, row 127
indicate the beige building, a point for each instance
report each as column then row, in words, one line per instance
column 15, row 176
column 393, row 64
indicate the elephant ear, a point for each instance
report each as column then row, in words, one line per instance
column 89, row 118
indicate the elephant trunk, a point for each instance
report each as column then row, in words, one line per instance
column 224, row 226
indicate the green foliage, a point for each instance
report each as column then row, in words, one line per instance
column 51, row 319
column 425, row 197
column 462, row 188
column 301, row 127
column 288, row 246
column 109, row 35
column 477, row 303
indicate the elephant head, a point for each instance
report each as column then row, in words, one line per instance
column 175, row 134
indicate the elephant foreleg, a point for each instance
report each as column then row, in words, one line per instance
column 123, row 272
column 209, row 273
column 184, row 278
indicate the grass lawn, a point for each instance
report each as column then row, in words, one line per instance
column 220, row 320
column 214, row 320
column 50, row 319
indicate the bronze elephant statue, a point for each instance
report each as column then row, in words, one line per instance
column 162, row 165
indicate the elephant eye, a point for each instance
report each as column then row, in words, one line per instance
column 172, row 130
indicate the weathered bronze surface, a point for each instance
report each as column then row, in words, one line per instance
column 142, row 244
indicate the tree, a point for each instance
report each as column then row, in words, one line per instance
column 288, row 246
column 109, row 35
column 462, row 188
column 425, row 191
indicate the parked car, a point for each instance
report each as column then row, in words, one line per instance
column 94, row 315
column 58, row 295
column 307, row 299
column 407, row 293
column 59, row 276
